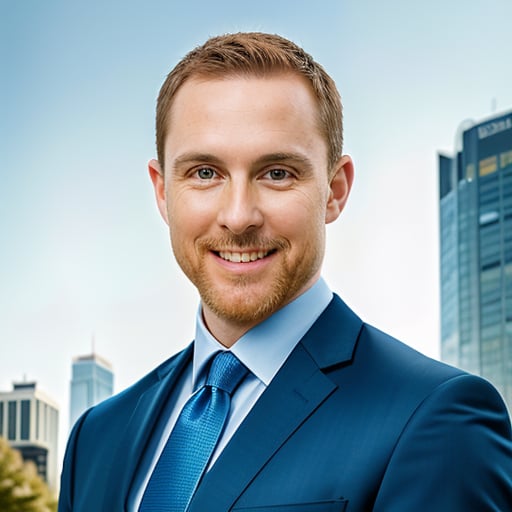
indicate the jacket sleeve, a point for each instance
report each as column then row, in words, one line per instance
column 455, row 453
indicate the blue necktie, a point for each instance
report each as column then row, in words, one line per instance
column 193, row 439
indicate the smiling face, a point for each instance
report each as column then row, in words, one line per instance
column 246, row 192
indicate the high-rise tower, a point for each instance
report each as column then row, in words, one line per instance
column 92, row 381
column 475, row 188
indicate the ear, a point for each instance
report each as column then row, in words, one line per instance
column 157, row 177
column 339, row 188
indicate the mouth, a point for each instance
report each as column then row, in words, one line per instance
column 244, row 256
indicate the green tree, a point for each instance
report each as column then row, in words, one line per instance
column 21, row 488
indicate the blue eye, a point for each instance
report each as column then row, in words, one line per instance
column 206, row 173
column 278, row 174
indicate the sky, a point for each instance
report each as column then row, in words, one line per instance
column 84, row 253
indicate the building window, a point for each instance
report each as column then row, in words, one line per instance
column 38, row 404
column 11, row 427
column 470, row 172
column 44, row 436
column 25, row 420
column 488, row 165
column 505, row 159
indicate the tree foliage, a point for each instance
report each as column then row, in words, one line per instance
column 21, row 488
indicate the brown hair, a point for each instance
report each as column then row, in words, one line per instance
column 254, row 53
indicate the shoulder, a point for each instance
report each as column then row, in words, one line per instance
column 374, row 364
column 394, row 379
column 379, row 363
column 388, row 354
column 453, row 426
column 458, row 442
column 439, row 394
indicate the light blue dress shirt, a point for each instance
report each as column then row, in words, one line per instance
column 263, row 350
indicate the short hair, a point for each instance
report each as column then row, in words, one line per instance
column 254, row 54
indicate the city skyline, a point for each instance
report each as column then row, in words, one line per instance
column 83, row 247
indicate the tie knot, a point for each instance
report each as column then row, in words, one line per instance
column 226, row 372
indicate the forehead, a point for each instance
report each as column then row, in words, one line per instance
column 244, row 108
column 281, row 84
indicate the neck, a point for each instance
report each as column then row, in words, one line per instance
column 227, row 333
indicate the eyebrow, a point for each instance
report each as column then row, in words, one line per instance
column 271, row 158
column 296, row 158
column 190, row 157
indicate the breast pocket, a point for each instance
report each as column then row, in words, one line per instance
column 318, row 506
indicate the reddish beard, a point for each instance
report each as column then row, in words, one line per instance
column 239, row 299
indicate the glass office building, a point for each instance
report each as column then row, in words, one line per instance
column 475, row 188
column 92, row 381
column 29, row 420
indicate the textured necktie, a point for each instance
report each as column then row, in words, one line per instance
column 193, row 438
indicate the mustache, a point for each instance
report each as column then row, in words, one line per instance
column 243, row 241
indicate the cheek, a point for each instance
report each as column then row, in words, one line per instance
column 189, row 213
column 299, row 219
column 190, row 223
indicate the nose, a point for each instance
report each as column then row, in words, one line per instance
column 240, row 208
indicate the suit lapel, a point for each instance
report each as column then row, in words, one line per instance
column 295, row 393
column 332, row 338
column 139, row 431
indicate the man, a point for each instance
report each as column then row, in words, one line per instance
column 323, row 412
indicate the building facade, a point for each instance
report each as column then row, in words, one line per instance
column 29, row 420
column 92, row 381
column 475, row 189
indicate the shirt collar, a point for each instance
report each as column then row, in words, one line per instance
column 264, row 348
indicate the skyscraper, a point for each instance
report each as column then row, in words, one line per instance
column 475, row 188
column 29, row 420
column 92, row 381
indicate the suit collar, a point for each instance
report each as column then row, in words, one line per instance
column 265, row 347
column 297, row 390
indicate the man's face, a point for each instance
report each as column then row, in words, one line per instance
column 246, row 193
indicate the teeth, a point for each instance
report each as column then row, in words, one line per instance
column 244, row 257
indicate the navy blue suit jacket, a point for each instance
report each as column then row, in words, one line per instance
column 353, row 421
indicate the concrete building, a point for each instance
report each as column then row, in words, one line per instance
column 92, row 381
column 29, row 420
column 475, row 187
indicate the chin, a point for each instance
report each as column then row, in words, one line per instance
column 244, row 307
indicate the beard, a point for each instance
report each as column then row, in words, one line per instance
column 244, row 299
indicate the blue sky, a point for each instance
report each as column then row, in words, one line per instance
column 82, row 247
